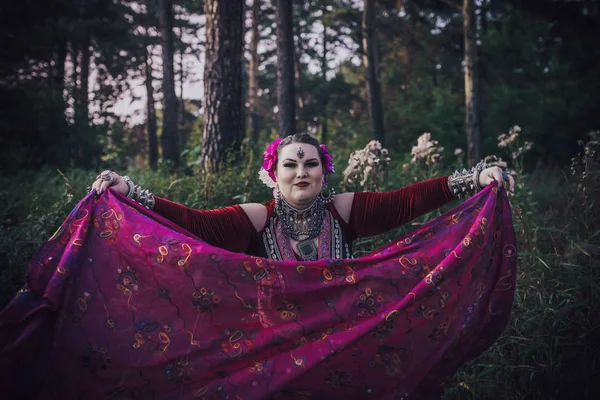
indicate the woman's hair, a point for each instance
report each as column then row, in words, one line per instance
column 302, row 138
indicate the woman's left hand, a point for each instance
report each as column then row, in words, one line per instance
column 492, row 174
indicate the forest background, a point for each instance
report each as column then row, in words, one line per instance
column 514, row 81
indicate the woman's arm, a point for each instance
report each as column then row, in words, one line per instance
column 372, row 213
column 230, row 228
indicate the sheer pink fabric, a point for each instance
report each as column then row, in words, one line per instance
column 121, row 303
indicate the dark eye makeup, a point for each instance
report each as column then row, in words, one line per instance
column 310, row 164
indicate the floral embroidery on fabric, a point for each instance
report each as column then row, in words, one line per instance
column 151, row 336
column 182, row 319
column 237, row 343
column 205, row 300
column 289, row 309
column 108, row 224
column 390, row 358
column 126, row 280
column 338, row 274
column 179, row 371
column 82, row 303
column 369, row 302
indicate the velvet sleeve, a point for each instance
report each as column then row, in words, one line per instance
column 228, row 228
column 373, row 213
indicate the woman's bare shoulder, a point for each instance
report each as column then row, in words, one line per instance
column 257, row 213
column 343, row 205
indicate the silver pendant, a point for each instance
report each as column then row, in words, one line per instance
column 307, row 249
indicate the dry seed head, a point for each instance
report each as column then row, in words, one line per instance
column 427, row 150
column 366, row 167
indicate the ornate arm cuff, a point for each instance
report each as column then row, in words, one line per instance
column 136, row 193
column 466, row 182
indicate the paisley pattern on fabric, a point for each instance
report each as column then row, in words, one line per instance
column 121, row 303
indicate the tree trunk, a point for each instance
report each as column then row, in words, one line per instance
column 84, row 77
column 285, row 68
column 170, row 138
column 223, row 112
column 87, row 152
column 253, row 74
column 60, row 66
column 482, row 69
column 471, row 83
column 372, row 71
column 81, row 56
column 184, row 134
column 301, row 125
column 73, row 79
column 325, row 91
column 57, row 69
column 181, row 77
column 151, row 114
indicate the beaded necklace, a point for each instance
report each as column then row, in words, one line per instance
column 306, row 222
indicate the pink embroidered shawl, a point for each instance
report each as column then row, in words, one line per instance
column 122, row 304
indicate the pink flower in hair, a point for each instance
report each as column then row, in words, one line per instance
column 270, row 158
column 267, row 172
column 328, row 160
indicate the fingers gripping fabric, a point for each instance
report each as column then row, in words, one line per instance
column 121, row 303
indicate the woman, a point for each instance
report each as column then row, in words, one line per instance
column 123, row 303
column 293, row 225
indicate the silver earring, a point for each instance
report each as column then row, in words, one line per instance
column 327, row 194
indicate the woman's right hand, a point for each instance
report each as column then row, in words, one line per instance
column 110, row 179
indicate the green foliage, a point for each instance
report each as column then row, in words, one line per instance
column 33, row 207
column 531, row 74
column 538, row 67
column 43, row 137
column 550, row 347
column 48, row 116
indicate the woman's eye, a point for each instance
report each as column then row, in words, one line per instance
column 289, row 165
column 312, row 164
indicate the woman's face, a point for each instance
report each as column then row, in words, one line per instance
column 299, row 174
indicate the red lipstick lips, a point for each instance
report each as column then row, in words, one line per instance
column 302, row 184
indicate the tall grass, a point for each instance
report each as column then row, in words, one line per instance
column 551, row 347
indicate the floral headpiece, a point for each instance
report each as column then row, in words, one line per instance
column 267, row 171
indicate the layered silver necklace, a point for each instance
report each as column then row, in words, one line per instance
column 298, row 223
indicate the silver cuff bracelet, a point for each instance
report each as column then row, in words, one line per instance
column 466, row 182
column 137, row 194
